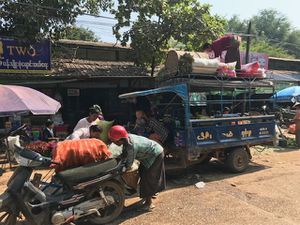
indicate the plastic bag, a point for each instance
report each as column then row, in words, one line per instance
column 105, row 125
column 250, row 67
column 227, row 69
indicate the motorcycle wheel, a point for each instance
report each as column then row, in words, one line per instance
column 111, row 212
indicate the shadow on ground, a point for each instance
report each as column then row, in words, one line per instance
column 209, row 172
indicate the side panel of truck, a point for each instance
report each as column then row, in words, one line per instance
column 210, row 135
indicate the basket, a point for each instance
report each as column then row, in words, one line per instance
column 131, row 178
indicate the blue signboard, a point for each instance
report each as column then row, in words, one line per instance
column 23, row 57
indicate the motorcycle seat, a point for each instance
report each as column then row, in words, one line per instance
column 83, row 173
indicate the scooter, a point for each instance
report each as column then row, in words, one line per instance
column 93, row 193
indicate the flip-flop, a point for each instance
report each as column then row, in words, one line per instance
column 146, row 208
column 155, row 196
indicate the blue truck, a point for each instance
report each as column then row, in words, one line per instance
column 192, row 110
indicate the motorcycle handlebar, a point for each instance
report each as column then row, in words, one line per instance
column 10, row 133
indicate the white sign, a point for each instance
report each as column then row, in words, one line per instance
column 73, row 92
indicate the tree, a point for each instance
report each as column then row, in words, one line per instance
column 271, row 24
column 159, row 21
column 265, row 42
column 292, row 43
column 263, row 46
column 235, row 25
column 34, row 19
column 78, row 33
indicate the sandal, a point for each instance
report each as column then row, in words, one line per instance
column 155, row 196
column 146, row 208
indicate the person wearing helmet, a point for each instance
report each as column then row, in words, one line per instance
column 151, row 157
column 95, row 113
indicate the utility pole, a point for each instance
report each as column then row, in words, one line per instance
column 248, row 43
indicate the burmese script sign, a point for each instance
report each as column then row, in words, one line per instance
column 23, row 57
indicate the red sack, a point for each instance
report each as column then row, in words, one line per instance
column 74, row 153
column 250, row 68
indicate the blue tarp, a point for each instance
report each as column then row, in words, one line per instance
column 180, row 90
column 287, row 94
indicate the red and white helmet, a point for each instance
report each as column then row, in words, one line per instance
column 117, row 132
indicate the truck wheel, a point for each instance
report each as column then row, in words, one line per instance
column 237, row 160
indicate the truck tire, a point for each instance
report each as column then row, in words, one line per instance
column 237, row 160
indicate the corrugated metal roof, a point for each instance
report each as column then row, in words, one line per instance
column 284, row 75
column 66, row 68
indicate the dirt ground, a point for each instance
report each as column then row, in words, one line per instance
column 267, row 193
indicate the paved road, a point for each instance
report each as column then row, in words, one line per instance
column 267, row 194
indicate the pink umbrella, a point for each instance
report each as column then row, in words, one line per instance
column 19, row 99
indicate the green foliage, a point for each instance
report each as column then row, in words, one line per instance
column 78, row 33
column 185, row 63
column 235, row 25
column 263, row 46
column 184, row 21
column 291, row 142
column 34, row 19
column 271, row 24
column 274, row 35
column 292, row 44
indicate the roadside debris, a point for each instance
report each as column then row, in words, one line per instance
column 200, row 184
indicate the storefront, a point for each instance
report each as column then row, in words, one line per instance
column 77, row 92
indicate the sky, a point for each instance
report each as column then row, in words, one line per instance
column 227, row 8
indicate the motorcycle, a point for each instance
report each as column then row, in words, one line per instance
column 93, row 193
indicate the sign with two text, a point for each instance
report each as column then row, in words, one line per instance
column 23, row 57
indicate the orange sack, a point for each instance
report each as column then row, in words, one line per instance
column 74, row 153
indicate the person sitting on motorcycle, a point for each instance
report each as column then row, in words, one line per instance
column 151, row 157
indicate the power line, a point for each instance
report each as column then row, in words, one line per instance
column 95, row 23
